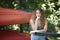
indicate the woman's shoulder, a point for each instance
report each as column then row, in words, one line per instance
column 46, row 21
column 31, row 19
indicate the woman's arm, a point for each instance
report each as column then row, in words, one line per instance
column 34, row 25
column 45, row 27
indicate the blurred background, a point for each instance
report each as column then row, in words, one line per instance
column 51, row 9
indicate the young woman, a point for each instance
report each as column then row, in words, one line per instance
column 38, row 23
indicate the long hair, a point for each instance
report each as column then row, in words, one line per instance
column 42, row 17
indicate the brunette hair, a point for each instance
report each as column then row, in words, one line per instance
column 42, row 17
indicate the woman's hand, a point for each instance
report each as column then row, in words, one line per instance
column 38, row 17
column 31, row 32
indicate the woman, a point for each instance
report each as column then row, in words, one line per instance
column 38, row 23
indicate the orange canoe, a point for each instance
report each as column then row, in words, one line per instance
column 11, row 16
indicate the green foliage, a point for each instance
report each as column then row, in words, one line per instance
column 51, row 9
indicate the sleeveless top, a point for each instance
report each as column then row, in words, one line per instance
column 38, row 28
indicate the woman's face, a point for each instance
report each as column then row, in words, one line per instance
column 38, row 13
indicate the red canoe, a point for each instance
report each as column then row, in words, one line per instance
column 13, row 35
column 11, row 16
